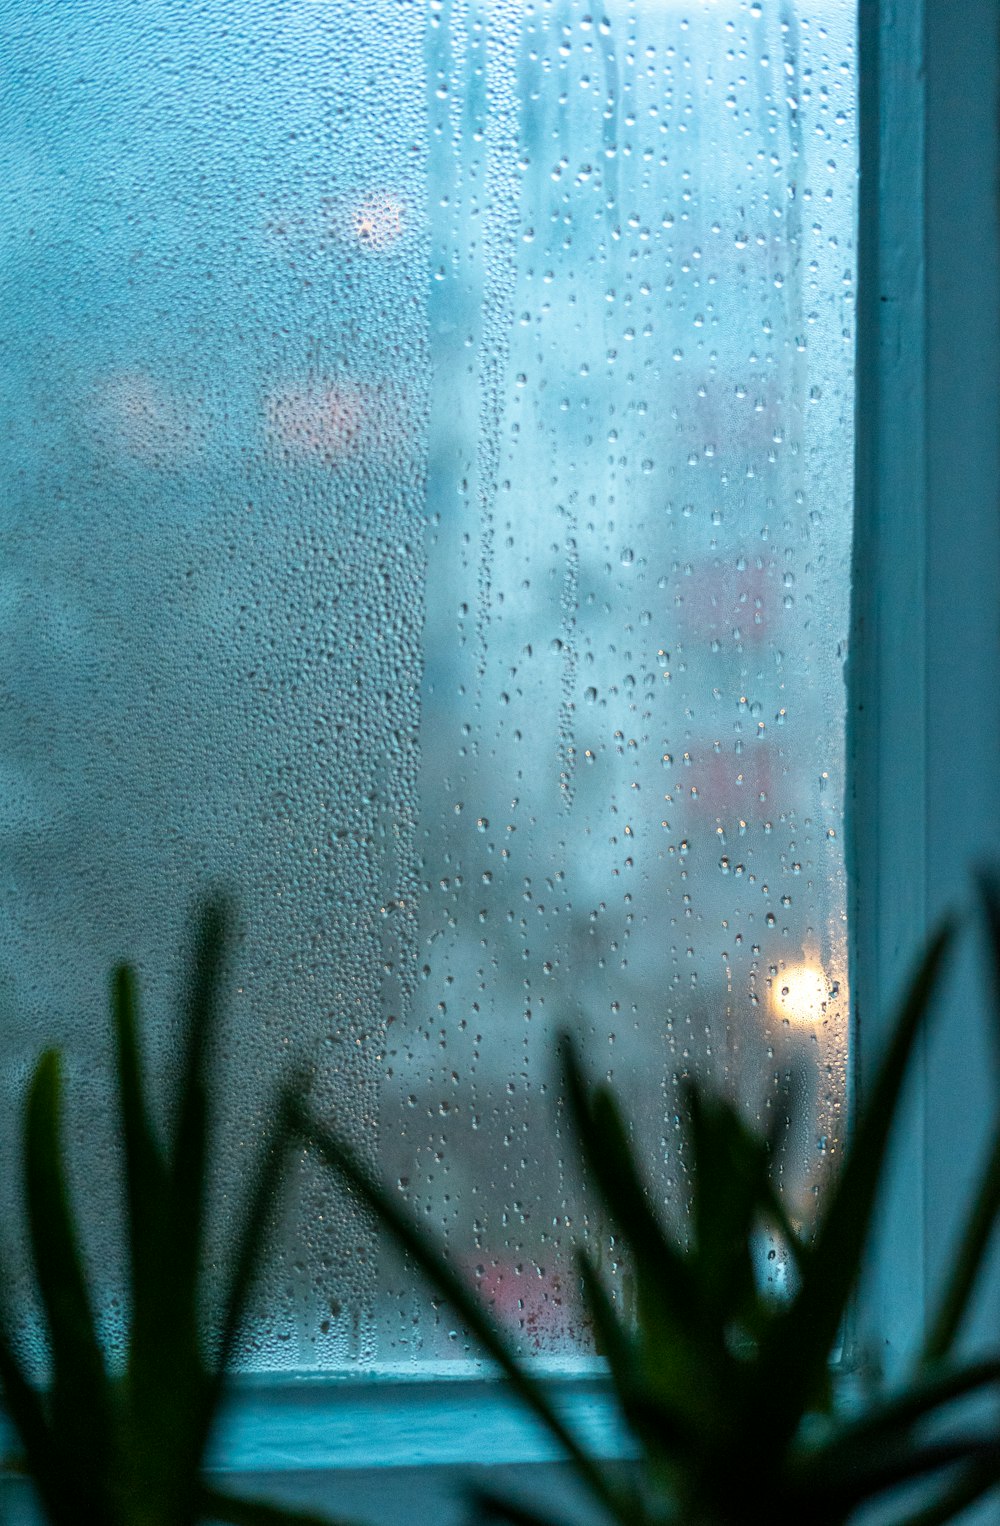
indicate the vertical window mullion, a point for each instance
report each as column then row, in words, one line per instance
column 886, row 679
column 925, row 662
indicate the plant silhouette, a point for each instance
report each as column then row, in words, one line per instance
column 723, row 1384
column 127, row 1448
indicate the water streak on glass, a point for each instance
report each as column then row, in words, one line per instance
column 427, row 507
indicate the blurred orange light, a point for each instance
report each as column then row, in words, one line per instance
column 799, row 994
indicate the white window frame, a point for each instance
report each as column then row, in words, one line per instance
column 924, row 671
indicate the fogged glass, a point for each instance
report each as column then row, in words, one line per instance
column 427, row 509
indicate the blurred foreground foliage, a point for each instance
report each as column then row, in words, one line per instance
column 124, row 1445
column 722, row 1384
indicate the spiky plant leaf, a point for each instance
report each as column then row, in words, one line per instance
column 967, row 1263
column 662, row 1431
column 795, row 1350
column 901, row 1413
column 895, row 1467
column 128, row 1450
column 27, row 1411
column 715, row 1376
column 431, row 1260
column 145, row 1183
column 613, row 1338
column 251, row 1243
column 491, row 1507
column 80, row 1396
column 188, row 1147
column 607, row 1154
column 973, row 1483
column 683, row 1356
column 975, row 1240
column 731, row 1181
column 988, row 888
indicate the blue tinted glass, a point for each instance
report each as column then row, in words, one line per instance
column 427, row 507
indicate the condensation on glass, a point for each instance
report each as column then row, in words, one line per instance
column 427, row 508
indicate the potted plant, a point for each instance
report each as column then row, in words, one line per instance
column 126, row 1447
column 724, row 1386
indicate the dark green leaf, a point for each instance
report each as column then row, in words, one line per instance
column 80, row 1396
column 988, row 885
column 145, row 1189
column 795, row 1349
column 971, row 1485
column 683, row 1357
column 774, row 1211
column 660, row 1428
column 614, row 1341
column 492, row 1507
column 730, row 1187
column 847, row 1467
column 687, row 1368
column 251, row 1244
column 435, row 1266
column 905, row 1463
column 924, row 1397
column 188, row 1167
column 607, row 1153
column 968, row 1261
column 111, row 1451
column 27, row 1413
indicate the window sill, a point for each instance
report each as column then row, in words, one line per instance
column 453, row 1414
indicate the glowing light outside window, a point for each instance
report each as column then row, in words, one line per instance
column 800, row 994
column 427, row 506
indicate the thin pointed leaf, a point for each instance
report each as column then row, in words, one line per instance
column 211, row 935
column 847, row 1469
column 432, row 1262
column 773, row 1209
column 921, row 1400
column 145, row 1188
column 967, row 1262
column 659, row 1425
column 729, row 1190
column 608, row 1154
column 893, row 1469
column 968, row 1489
column 252, row 1240
column 184, row 1216
column 188, row 1165
column 145, row 1171
column 795, row 1349
column 164, row 1382
column 988, row 884
column 251, row 1243
column 493, row 1507
column 80, row 1389
column 26, row 1411
column 982, row 1219
column 613, row 1339
column 218, row 1506
column 685, row 1355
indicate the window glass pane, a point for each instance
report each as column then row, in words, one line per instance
column 427, row 507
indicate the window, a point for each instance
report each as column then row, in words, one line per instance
column 430, row 509
column 393, row 431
